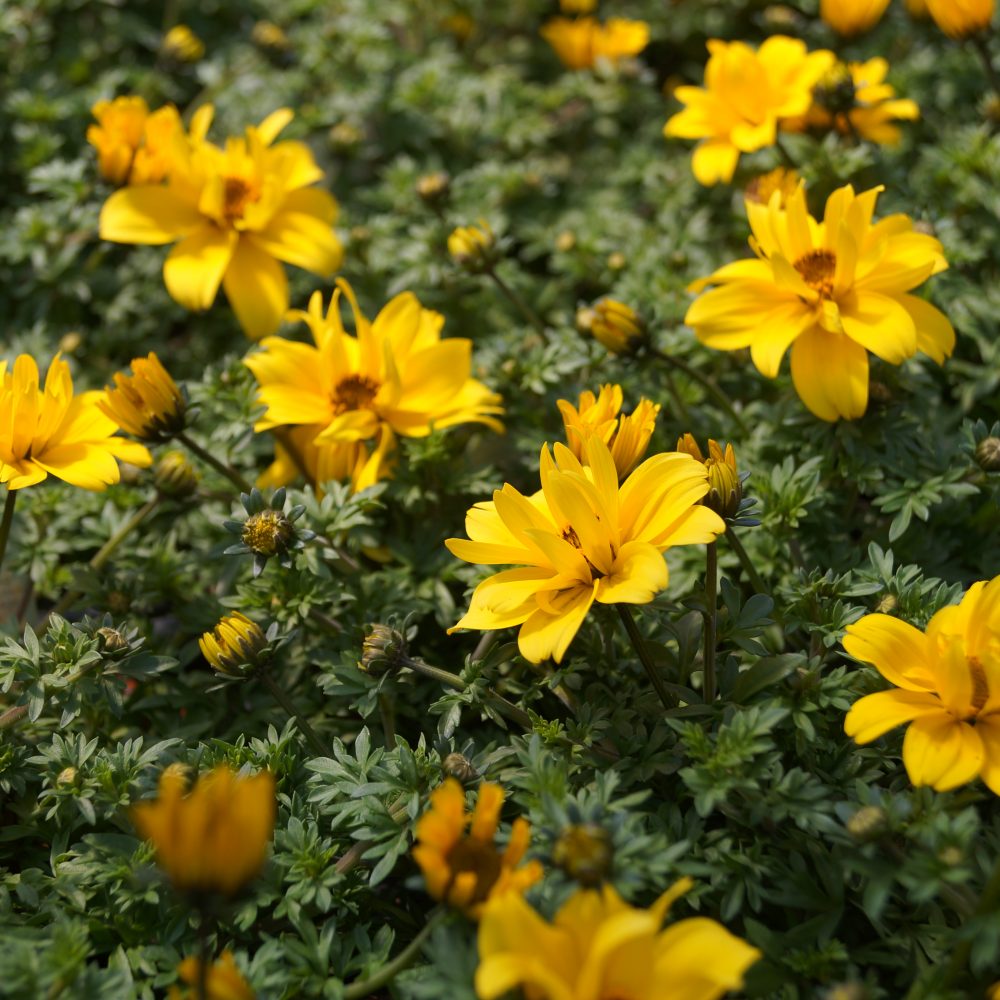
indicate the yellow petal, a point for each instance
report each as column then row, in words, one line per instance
column 714, row 161
column 257, row 289
column 830, row 372
column 896, row 649
column 942, row 752
column 880, row 324
column 935, row 334
column 547, row 634
column 875, row 714
column 194, row 268
column 151, row 214
column 638, row 574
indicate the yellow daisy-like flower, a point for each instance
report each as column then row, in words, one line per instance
column 237, row 212
column 582, row 42
column 852, row 17
column 947, row 687
column 457, row 855
column 961, row 18
column 832, row 290
column 215, row 838
column 726, row 490
column 233, row 647
column 48, row 430
column 600, row 948
column 600, row 416
column 396, row 376
column 223, row 981
column 146, row 403
column 746, row 94
column 133, row 146
column 581, row 538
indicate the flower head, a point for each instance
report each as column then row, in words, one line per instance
column 223, row 981
column 236, row 646
column 746, row 94
column 457, row 854
column 581, row 538
column 473, row 247
column 785, row 182
column 215, row 838
column 146, row 403
column 268, row 531
column 237, row 212
column 614, row 324
column 583, row 42
column 726, row 490
column 348, row 397
column 961, row 18
column 182, row 44
column 832, row 290
column 133, row 146
column 600, row 948
column 600, row 416
column 852, row 17
column 47, row 429
column 947, row 687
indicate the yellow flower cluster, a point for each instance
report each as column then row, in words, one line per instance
column 584, row 42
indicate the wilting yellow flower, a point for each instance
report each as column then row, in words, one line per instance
column 474, row 247
column 223, row 981
column 181, row 43
column 832, row 290
column 947, row 687
column 855, row 100
column 355, row 393
column 134, row 146
column 600, row 948
column 215, row 838
column 237, row 212
column 852, row 17
column 726, row 490
column 745, row 96
column 612, row 323
column 582, row 42
column 581, row 538
column 146, row 403
column 600, row 416
column 47, row 430
column 961, row 18
column 234, row 646
column 760, row 189
column 457, row 854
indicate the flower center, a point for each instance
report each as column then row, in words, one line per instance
column 980, row 686
column 236, row 196
column 356, row 392
column 817, row 268
column 482, row 859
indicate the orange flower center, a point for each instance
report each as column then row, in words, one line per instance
column 356, row 392
column 237, row 194
column 480, row 858
column 817, row 268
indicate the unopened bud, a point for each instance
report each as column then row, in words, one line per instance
column 886, row 604
column 868, row 823
column 433, row 189
column 615, row 325
column 268, row 36
column 457, row 765
column 988, row 454
column 67, row 776
column 585, row 853
column 236, row 646
column 111, row 640
column 384, row 650
column 473, row 247
column 175, row 476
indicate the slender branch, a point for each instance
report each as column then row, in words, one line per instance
column 982, row 47
column 748, row 567
column 8, row 517
column 710, row 387
column 312, row 738
column 711, row 614
column 625, row 612
column 12, row 716
column 209, row 459
column 522, row 307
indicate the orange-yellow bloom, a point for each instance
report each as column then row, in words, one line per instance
column 961, row 18
column 456, row 852
column 852, row 17
column 148, row 404
column 48, row 430
column 133, row 146
column 746, row 94
column 582, row 42
column 223, row 981
column 600, row 948
column 947, row 687
column 215, row 838
column 237, row 212
column 581, row 538
column 832, row 290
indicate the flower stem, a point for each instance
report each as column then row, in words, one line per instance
column 209, row 459
column 312, row 738
column 389, row 971
column 748, row 567
column 982, row 47
column 522, row 307
column 388, row 716
column 625, row 613
column 8, row 517
column 679, row 405
column 711, row 613
column 710, row 387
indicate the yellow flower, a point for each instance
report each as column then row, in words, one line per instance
column 456, row 852
column 223, row 981
column 237, row 212
column 133, row 146
column 271, row 37
column 832, row 290
column 47, row 430
column 146, row 403
column 852, row 17
column 583, row 42
column 746, row 94
column 473, row 247
column 600, row 948
column 857, row 101
column 581, row 538
column 961, row 18
column 181, row 43
column 947, row 687
column 234, row 646
column 214, row 839
column 600, row 416
column 760, row 189
column 916, row 8
column 612, row 323
column 578, row 6
column 726, row 490
column 355, row 393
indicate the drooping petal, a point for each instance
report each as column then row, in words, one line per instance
column 942, row 752
column 935, row 334
column 151, row 214
column 194, row 268
column 830, row 372
column 257, row 289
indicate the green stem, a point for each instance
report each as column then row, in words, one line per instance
column 312, row 738
column 748, row 567
column 209, row 459
column 682, row 411
column 625, row 613
column 525, row 310
column 988, row 903
column 711, row 614
column 203, row 955
column 8, row 517
column 389, row 971
column 707, row 384
column 388, row 715
column 981, row 46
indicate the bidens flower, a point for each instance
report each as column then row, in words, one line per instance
column 582, row 538
column 457, row 854
column 585, row 41
column 223, row 981
column 47, row 430
column 133, row 146
column 947, row 687
column 961, row 18
column 726, row 489
column 745, row 96
column 600, row 948
column 852, row 17
column 237, row 212
column 146, row 403
column 832, row 290
column 215, row 838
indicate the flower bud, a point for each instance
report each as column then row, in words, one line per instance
column 345, row 136
column 111, row 640
column 847, row 991
column 585, row 853
column 887, row 604
column 457, row 765
column 961, row 18
column 384, row 650
column 614, row 324
column 175, row 476
column 236, row 646
column 268, row 36
column 566, row 241
column 868, row 823
column 988, row 454
column 473, row 247
column 67, row 776
column 268, row 533
column 147, row 403
column 617, row 261
column 725, row 491
column 182, row 44
column 433, row 189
